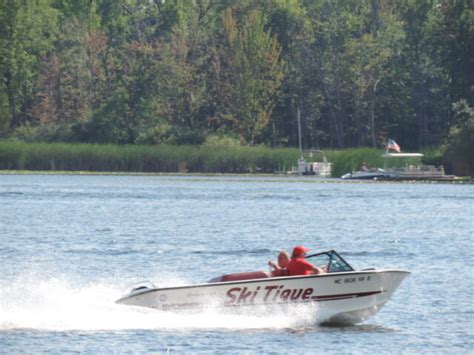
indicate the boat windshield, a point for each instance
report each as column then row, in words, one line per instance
column 330, row 261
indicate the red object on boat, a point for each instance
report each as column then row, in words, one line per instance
column 245, row 276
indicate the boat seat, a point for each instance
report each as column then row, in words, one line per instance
column 251, row 275
column 279, row 273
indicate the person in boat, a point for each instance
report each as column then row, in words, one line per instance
column 298, row 265
column 363, row 167
column 280, row 268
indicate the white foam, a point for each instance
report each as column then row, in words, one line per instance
column 58, row 304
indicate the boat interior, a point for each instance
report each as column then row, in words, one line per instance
column 330, row 261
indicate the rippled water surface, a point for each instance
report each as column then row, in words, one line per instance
column 71, row 245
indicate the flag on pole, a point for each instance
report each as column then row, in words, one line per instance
column 391, row 144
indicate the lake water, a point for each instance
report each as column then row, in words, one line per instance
column 71, row 245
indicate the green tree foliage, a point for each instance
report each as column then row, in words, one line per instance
column 27, row 34
column 453, row 36
column 325, row 69
column 369, row 55
column 289, row 22
column 178, row 71
column 252, row 72
column 461, row 138
column 423, row 84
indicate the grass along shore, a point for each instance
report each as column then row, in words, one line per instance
column 153, row 159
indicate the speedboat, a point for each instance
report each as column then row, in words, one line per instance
column 341, row 295
column 370, row 174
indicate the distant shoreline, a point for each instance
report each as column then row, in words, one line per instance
column 94, row 159
column 262, row 177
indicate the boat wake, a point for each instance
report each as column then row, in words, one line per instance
column 58, row 304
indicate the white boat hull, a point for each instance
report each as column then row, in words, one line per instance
column 367, row 175
column 345, row 297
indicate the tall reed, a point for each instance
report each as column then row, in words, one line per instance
column 143, row 158
column 16, row 155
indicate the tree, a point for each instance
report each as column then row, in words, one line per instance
column 128, row 71
column 66, row 78
column 453, row 36
column 369, row 55
column 460, row 148
column 289, row 22
column 422, row 84
column 27, row 33
column 252, row 71
column 331, row 27
column 182, row 71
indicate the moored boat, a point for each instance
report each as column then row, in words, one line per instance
column 318, row 169
column 321, row 168
column 342, row 295
column 405, row 172
column 369, row 174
